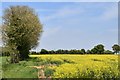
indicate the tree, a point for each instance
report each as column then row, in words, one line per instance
column 43, row 51
column 21, row 29
column 100, row 48
column 88, row 51
column 83, row 51
column 108, row 52
column 94, row 51
column 116, row 48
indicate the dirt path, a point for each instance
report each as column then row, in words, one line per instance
column 41, row 73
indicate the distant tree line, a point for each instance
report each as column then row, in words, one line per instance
column 99, row 49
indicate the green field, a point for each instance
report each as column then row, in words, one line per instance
column 65, row 66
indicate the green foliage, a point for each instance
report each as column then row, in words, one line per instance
column 98, row 49
column 48, row 72
column 108, row 52
column 4, row 51
column 43, row 51
column 21, row 29
column 18, row 70
column 116, row 48
column 88, row 52
column 83, row 51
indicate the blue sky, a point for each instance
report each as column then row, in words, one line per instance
column 59, row 0
column 75, row 25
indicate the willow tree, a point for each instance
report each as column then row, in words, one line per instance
column 21, row 30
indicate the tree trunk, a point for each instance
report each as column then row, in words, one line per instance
column 23, row 53
column 14, row 58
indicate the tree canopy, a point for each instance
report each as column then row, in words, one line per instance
column 21, row 29
column 116, row 48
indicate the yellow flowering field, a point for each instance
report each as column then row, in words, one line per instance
column 82, row 66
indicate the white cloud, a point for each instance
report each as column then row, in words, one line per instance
column 64, row 12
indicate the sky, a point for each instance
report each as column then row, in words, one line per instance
column 60, row 0
column 75, row 25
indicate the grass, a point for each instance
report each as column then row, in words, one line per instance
column 18, row 70
column 67, row 66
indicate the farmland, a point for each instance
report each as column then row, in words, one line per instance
column 78, row 41
column 65, row 66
